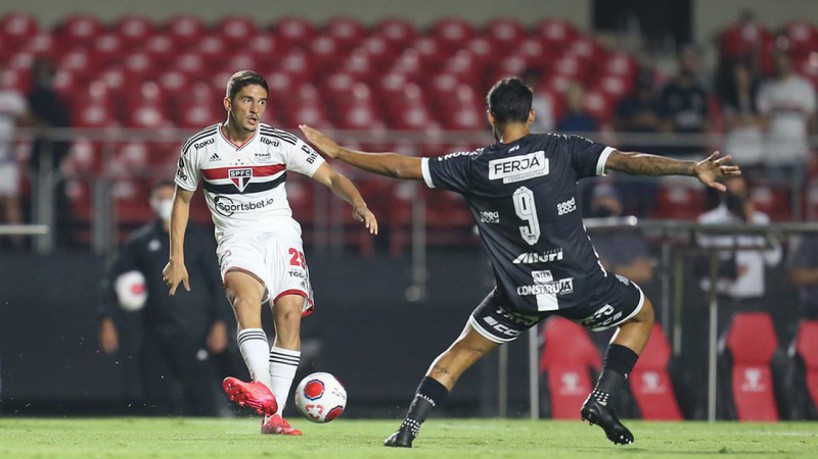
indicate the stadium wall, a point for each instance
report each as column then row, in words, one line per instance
column 421, row 12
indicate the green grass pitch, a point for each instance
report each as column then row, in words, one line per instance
column 439, row 439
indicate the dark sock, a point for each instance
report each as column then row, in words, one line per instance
column 616, row 366
column 427, row 396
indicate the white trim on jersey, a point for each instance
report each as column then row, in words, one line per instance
column 603, row 158
column 424, row 171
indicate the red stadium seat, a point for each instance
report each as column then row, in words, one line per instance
column 679, row 200
column 599, row 105
column 161, row 49
column 325, row 54
column 802, row 37
column 236, row 30
column 193, row 64
column 743, row 40
column 555, row 33
column 347, row 32
column 751, row 342
column 43, row 44
column 297, row 64
column 650, row 381
column 452, row 33
column 185, row 31
column 505, row 32
column 409, row 65
column 567, row 360
column 213, row 49
column 294, row 32
column 379, row 51
column 398, row 32
column 17, row 28
column 264, row 46
column 774, row 200
column 107, row 49
column 809, row 69
column 134, row 30
column 80, row 30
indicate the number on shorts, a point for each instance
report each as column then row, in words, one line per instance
column 526, row 209
column 298, row 259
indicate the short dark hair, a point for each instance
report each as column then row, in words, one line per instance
column 509, row 100
column 244, row 78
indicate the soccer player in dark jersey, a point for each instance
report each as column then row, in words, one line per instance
column 522, row 191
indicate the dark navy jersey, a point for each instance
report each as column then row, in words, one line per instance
column 523, row 196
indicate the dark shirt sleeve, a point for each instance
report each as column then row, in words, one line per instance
column 218, row 307
column 587, row 157
column 450, row 172
column 124, row 261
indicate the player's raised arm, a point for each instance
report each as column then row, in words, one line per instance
column 387, row 164
column 708, row 170
column 175, row 271
column 344, row 189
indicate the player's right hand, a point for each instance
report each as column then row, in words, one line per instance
column 173, row 274
column 323, row 143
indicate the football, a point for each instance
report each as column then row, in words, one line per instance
column 320, row 397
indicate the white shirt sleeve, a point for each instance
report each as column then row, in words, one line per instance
column 302, row 158
column 187, row 170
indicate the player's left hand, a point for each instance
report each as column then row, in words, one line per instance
column 364, row 215
column 320, row 141
column 712, row 168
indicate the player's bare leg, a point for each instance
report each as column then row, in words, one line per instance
column 245, row 293
column 441, row 378
column 628, row 342
column 285, row 356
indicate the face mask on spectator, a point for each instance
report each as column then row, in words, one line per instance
column 162, row 208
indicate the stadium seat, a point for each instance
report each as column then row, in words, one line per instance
column 774, row 200
column 17, row 28
column 236, row 30
column 80, row 29
column 379, row 51
column 679, row 200
column 568, row 359
column 294, row 32
column 802, row 37
column 451, row 33
column 650, row 381
column 398, row 32
column 325, row 54
column 804, row 355
column 185, row 31
column 555, row 33
column 346, row 31
column 160, row 47
column 747, row 352
column 134, row 30
column 505, row 33
column 213, row 49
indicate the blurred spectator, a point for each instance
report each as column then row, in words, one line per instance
column 639, row 113
column 737, row 90
column 577, row 118
column 803, row 268
column 12, row 112
column 620, row 252
column 49, row 111
column 787, row 103
column 542, row 103
column 741, row 277
column 685, row 103
column 179, row 333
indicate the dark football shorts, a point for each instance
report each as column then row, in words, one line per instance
column 610, row 306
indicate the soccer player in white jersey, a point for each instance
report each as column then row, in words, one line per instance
column 242, row 164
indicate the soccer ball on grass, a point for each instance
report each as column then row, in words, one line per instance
column 320, row 397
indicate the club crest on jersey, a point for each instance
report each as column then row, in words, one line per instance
column 241, row 177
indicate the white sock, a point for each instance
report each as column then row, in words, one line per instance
column 283, row 364
column 253, row 346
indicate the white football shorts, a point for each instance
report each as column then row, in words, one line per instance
column 277, row 261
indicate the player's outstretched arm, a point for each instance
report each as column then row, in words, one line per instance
column 175, row 271
column 344, row 189
column 708, row 170
column 387, row 164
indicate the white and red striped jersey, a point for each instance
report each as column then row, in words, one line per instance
column 244, row 184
